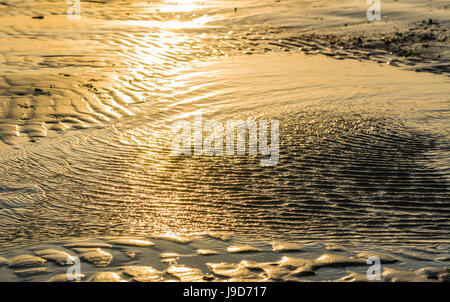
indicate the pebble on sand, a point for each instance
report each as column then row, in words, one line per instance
column 65, row 278
column 143, row 273
column 327, row 260
column 60, row 257
column 295, row 262
column 236, row 272
column 132, row 242
column 206, row 252
column 130, row 254
column 186, row 274
column 242, row 249
column 98, row 257
column 279, row 247
column 107, row 277
column 169, row 255
column 26, row 261
column 174, row 237
column 170, row 258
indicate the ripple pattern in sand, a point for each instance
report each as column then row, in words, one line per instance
column 348, row 175
column 362, row 178
column 53, row 71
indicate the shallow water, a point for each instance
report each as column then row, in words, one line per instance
column 357, row 163
column 364, row 147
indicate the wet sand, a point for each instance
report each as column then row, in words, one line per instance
column 85, row 114
column 218, row 257
column 58, row 74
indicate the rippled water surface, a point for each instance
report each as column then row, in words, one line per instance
column 86, row 110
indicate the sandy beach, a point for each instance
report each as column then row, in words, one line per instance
column 87, row 108
column 219, row 257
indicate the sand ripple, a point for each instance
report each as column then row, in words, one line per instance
column 86, row 109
